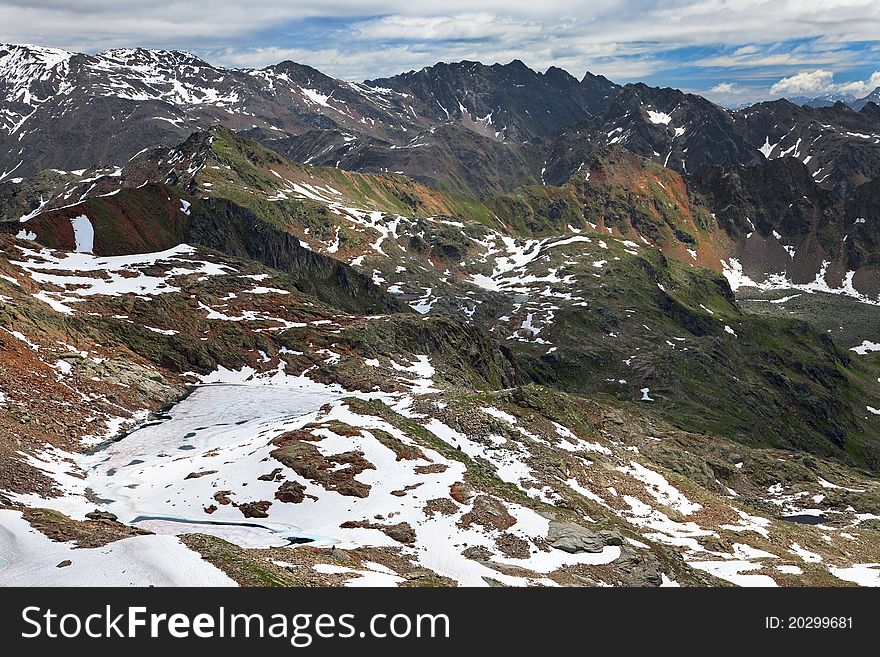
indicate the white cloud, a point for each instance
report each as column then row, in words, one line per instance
column 723, row 88
column 805, row 83
column 861, row 88
column 820, row 81
column 391, row 44
column 480, row 25
column 359, row 61
column 584, row 22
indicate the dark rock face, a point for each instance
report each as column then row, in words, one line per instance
column 634, row 568
column 863, row 245
column 224, row 226
column 402, row 532
column 686, row 130
column 776, row 195
column 503, row 102
column 481, row 122
column 19, row 199
column 449, row 156
column 681, row 131
column 291, row 492
column 780, row 202
column 837, row 144
column 101, row 515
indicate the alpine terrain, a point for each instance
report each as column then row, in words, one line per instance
column 473, row 325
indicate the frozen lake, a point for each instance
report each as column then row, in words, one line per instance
column 140, row 478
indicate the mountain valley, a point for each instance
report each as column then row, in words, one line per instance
column 465, row 326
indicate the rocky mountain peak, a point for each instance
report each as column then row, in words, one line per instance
column 145, row 57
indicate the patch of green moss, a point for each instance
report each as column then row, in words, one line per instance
column 244, row 568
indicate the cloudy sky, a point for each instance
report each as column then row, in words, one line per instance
column 731, row 51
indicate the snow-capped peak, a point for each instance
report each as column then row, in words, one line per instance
column 29, row 76
column 46, row 57
column 141, row 56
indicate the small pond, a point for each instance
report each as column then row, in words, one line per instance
column 805, row 518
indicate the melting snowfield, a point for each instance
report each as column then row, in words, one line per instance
column 82, row 275
column 206, row 464
column 143, row 477
column 737, row 278
column 172, row 475
column 162, row 476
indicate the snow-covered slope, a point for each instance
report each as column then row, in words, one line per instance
column 32, row 559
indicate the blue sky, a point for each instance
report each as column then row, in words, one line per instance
column 731, row 51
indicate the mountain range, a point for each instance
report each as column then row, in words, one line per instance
column 492, row 127
column 469, row 325
column 829, row 99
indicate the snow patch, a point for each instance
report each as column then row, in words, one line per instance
column 83, row 234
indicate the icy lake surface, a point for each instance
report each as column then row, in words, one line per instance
column 170, row 477
column 139, row 477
